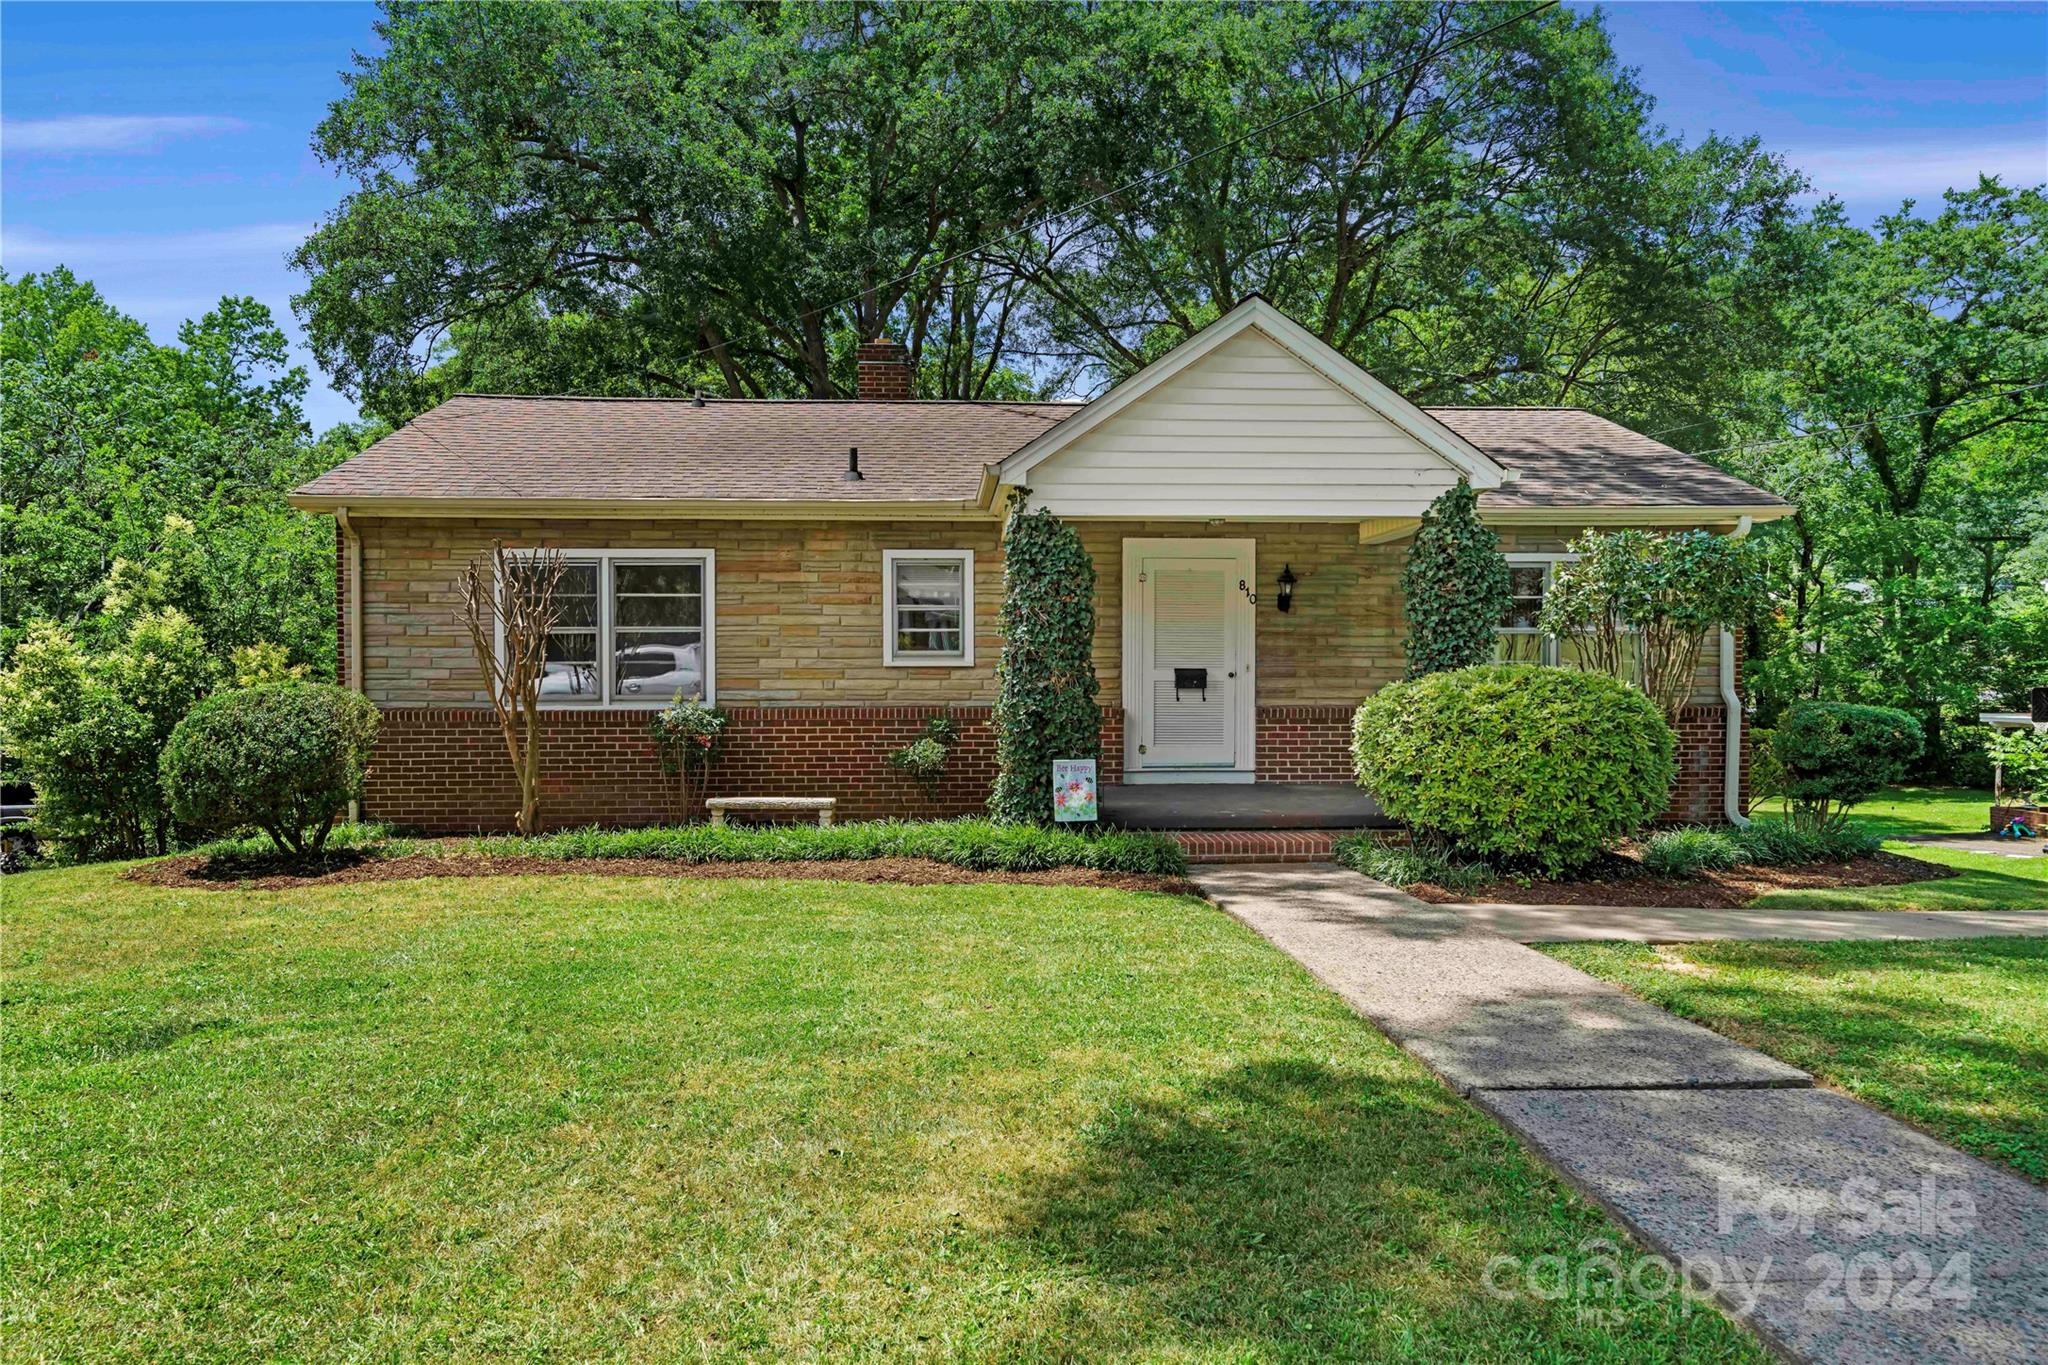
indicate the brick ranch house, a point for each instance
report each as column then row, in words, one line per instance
column 831, row 601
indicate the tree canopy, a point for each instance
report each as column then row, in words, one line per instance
column 1468, row 199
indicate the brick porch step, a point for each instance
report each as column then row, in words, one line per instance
column 1256, row 845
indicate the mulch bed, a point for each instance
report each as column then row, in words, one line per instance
column 198, row 872
column 1622, row 881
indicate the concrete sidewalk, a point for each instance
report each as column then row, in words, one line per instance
column 1643, row 924
column 1715, row 1155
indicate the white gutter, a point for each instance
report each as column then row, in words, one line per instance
column 352, row 618
column 1731, row 770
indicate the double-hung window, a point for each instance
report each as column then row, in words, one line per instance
column 1519, row 639
column 928, row 608
column 632, row 628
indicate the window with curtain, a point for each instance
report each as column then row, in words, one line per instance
column 928, row 605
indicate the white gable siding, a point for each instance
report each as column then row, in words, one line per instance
column 1247, row 431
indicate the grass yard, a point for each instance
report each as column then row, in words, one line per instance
column 1911, row 810
column 1951, row 1036
column 1989, row 882
column 575, row 1117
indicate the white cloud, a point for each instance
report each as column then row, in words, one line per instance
column 1891, row 170
column 30, row 249
column 85, row 134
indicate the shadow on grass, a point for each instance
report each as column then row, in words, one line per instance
column 1931, row 1060
column 1285, row 1208
column 1970, row 888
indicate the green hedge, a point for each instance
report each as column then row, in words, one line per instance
column 284, row 757
column 1547, row 766
column 982, row 845
column 1836, row 754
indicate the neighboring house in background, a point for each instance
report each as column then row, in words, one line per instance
column 833, row 601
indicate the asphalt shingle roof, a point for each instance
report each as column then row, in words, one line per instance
column 485, row 448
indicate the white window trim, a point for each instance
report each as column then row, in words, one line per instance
column 890, row 658
column 1548, row 563
column 605, row 559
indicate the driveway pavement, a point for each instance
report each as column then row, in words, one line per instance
column 1836, row 1233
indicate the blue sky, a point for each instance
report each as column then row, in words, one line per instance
column 161, row 150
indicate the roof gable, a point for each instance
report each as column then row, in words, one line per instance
column 1253, row 411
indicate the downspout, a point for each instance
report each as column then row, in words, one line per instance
column 352, row 618
column 1731, row 771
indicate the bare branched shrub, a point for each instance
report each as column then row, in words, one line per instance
column 509, row 609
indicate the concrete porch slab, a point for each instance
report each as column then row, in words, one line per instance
column 1243, row 805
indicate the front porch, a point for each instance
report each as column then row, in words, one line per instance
column 1177, row 806
column 1256, row 822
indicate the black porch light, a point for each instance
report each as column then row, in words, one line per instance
column 1287, row 582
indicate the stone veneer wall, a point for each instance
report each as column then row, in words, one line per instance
column 799, row 667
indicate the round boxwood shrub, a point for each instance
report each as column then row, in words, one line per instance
column 284, row 757
column 1544, row 766
column 1835, row 754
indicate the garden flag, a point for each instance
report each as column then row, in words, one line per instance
column 1073, row 789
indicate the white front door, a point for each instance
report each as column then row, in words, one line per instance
column 1188, row 636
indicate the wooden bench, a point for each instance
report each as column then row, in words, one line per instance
column 772, row 805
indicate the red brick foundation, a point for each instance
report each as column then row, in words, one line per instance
column 445, row 770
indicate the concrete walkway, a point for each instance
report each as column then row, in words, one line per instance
column 1633, row 924
column 1726, row 1161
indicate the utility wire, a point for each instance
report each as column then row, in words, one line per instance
column 1858, row 426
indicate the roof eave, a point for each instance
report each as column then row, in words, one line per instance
column 702, row 509
column 1642, row 514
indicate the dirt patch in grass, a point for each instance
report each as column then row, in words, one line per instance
column 268, row 873
column 1618, row 880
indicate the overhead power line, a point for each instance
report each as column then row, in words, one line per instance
column 1859, row 426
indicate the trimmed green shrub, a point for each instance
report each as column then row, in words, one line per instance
column 689, row 735
column 1409, row 863
column 1836, row 754
column 1455, row 587
column 1045, row 708
column 1547, row 766
column 983, row 845
column 1780, row 843
column 1689, row 852
column 284, row 757
column 923, row 760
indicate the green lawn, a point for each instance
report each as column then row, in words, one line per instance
column 1912, row 810
column 1951, row 1036
column 1989, row 882
column 569, row 1117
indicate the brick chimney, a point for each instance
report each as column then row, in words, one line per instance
column 884, row 371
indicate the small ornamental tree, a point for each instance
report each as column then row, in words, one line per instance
column 509, row 608
column 1455, row 588
column 1045, row 708
column 1639, row 606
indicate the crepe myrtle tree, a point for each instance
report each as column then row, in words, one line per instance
column 509, row 596
column 1455, row 588
column 1639, row 605
column 1045, row 706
